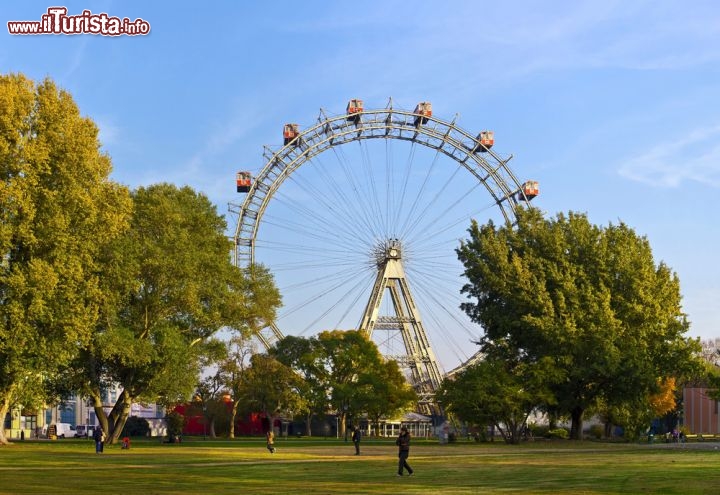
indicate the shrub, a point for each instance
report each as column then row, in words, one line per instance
column 558, row 433
column 136, row 427
column 596, row 431
column 175, row 423
column 539, row 431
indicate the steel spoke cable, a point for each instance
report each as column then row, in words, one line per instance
column 351, row 209
column 465, row 219
column 329, row 215
column 318, row 280
column 407, row 232
column 405, row 181
column 363, row 291
column 355, row 191
column 341, row 281
column 427, row 292
column 323, row 199
column 433, row 322
column 326, row 234
column 441, row 215
column 389, row 205
column 428, row 284
column 411, row 211
column 295, row 228
column 304, row 220
column 338, row 301
column 301, row 249
column 321, row 218
column 370, row 177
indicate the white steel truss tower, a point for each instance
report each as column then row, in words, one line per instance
column 419, row 362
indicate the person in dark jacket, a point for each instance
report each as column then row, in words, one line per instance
column 356, row 439
column 99, row 437
column 403, row 443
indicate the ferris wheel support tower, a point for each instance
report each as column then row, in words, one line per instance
column 418, row 359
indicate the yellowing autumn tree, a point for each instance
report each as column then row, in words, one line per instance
column 58, row 209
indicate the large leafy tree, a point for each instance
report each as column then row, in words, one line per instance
column 499, row 392
column 271, row 387
column 305, row 357
column 345, row 356
column 58, row 209
column 174, row 288
column 382, row 392
column 343, row 372
column 591, row 299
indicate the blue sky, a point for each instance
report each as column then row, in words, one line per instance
column 613, row 106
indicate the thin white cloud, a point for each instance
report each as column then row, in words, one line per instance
column 694, row 156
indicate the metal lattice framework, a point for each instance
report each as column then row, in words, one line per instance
column 443, row 136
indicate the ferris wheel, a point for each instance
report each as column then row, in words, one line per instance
column 358, row 217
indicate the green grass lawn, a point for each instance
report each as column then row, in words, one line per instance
column 328, row 466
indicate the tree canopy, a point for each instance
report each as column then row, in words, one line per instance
column 173, row 287
column 587, row 304
column 58, row 209
column 345, row 373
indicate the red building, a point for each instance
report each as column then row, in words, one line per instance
column 700, row 411
column 254, row 424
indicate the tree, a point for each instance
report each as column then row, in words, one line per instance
column 589, row 299
column 238, row 351
column 305, row 357
column 210, row 390
column 382, row 392
column 350, row 358
column 58, row 209
column 271, row 387
column 499, row 392
column 174, row 287
column 343, row 372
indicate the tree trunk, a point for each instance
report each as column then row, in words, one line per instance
column 99, row 412
column 343, row 432
column 577, row 423
column 115, row 421
column 4, row 407
column 308, row 427
column 233, row 415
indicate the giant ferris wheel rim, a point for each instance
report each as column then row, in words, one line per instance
column 388, row 123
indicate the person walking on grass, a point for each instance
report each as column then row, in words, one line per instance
column 356, row 439
column 270, row 437
column 403, row 443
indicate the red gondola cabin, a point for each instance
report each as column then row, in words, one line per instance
column 244, row 181
column 290, row 132
column 485, row 140
column 423, row 110
column 355, row 106
column 531, row 189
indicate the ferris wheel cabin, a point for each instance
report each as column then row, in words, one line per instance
column 485, row 141
column 244, row 181
column 354, row 108
column 290, row 132
column 423, row 110
column 531, row 189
